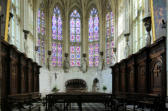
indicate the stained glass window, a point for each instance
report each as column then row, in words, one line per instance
column 38, row 21
column 109, row 37
column 41, row 36
column 75, row 39
column 56, row 38
column 93, row 38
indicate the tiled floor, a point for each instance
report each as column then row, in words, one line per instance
column 85, row 107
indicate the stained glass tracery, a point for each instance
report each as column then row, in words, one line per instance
column 93, row 38
column 109, row 37
column 41, row 34
column 56, row 38
column 75, row 39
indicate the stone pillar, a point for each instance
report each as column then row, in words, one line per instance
column 66, row 33
column 127, row 19
column 84, row 37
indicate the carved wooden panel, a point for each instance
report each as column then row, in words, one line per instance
column 131, row 74
column 115, row 75
column 142, row 72
column 5, row 69
column 35, row 77
column 30, row 75
column 122, row 76
column 38, row 72
column 156, row 72
column 157, row 67
column 14, row 70
column 23, row 70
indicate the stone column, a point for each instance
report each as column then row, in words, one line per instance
column 34, row 29
column 84, row 37
column 67, row 32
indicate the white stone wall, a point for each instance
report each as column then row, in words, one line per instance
column 57, row 77
column 45, row 81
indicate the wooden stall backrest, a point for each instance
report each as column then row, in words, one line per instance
column 38, row 72
column 142, row 73
column 145, row 72
column 35, row 77
column 131, row 74
column 5, row 69
column 23, row 71
column 115, row 71
column 30, row 75
column 17, row 77
column 14, row 70
column 157, row 68
column 122, row 76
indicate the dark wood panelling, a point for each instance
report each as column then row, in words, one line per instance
column 20, row 77
column 143, row 72
column 14, row 70
column 157, row 67
column 131, row 74
column 23, row 73
column 122, row 75
column 29, row 62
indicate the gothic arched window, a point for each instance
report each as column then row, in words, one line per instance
column 56, row 38
column 41, row 36
column 109, row 37
column 93, row 38
column 75, row 39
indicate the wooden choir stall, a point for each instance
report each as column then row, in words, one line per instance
column 20, row 78
column 140, row 79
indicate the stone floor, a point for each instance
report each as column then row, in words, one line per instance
column 59, row 107
column 85, row 107
column 74, row 107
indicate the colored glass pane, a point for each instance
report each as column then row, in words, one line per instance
column 75, row 50
column 109, row 37
column 93, row 38
column 56, row 38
